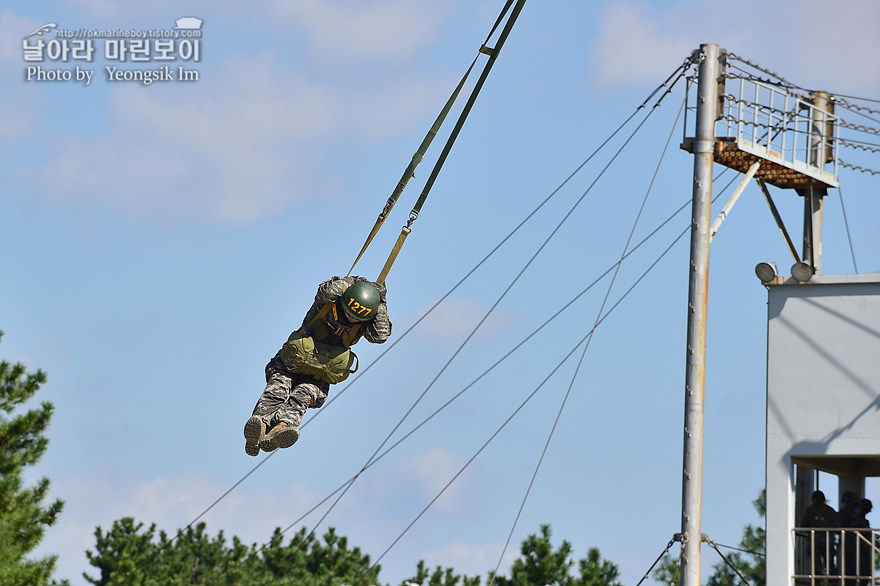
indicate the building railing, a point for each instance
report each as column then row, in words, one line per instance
column 831, row 557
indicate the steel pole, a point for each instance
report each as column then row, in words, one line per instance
column 813, row 198
column 695, row 377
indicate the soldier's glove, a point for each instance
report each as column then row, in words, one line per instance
column 382, row 290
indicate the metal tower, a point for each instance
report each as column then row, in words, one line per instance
column 777, row 137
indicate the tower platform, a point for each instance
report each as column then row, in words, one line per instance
column 774, row 170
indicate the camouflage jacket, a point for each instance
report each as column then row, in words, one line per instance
column 377, row 330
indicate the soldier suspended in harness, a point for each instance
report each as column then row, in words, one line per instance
column 315, row 356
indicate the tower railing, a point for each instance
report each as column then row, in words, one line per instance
column 763, row 121
column 839, row 556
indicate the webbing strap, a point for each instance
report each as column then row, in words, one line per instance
column 493, row 55
column 319, row 331
column 410, row 171
column 419, row 155
column 395, row 250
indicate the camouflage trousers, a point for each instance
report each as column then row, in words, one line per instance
column 288, row 395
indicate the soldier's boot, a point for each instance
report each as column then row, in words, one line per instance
column 254, row 432
column 283, row 435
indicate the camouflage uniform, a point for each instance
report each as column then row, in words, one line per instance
column 865, row 542
column 849, row 519
column 820, row 515
column 287, row 395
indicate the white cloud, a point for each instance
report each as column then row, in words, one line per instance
column 108, row 8
column 430, row 472
column 453, row 319
column 17, row 118
column 342, row 32
column 252, row 137
column 636, row 45
column 472, row 559
column 105, row 10
column 240, row 146
column 640, row 42
column 355, row 32
column 15, row 123
column 234, row 153
column 12, row 29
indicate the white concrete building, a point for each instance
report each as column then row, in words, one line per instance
column 823, row 403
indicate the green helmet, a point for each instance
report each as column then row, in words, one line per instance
column 361, row 301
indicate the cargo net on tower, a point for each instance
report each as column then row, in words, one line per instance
column 791, row 134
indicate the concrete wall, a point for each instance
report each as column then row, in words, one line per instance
column 823, row 394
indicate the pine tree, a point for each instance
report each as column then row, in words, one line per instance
column 439, row 577
column 597, row 572
column 539, row 563
column 23, row 518
column 128, row 554
column 749, row 562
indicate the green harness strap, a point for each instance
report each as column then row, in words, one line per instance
column 306, row 353
column 410, row 171
column 493, row 55
column 419, row 155
column 319, row 330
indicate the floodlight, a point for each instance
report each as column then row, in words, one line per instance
column 802, row 272
column 766, row 271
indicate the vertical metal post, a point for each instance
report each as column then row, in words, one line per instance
column 695, row 378
column 813, row 198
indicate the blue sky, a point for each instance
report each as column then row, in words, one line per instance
column 160, row 242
